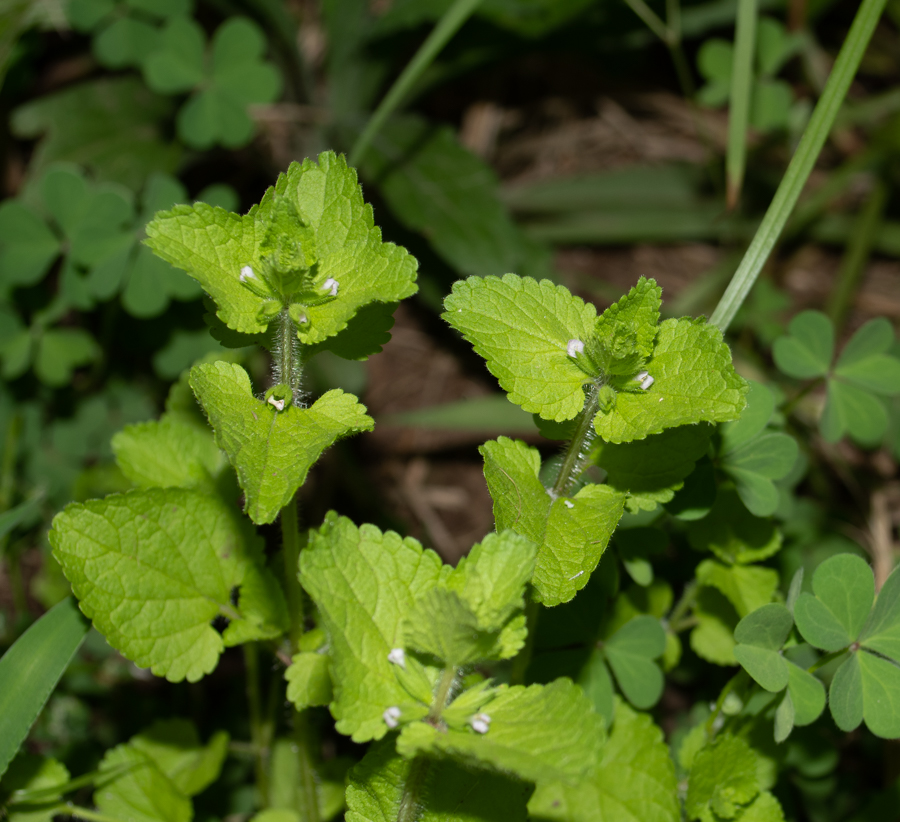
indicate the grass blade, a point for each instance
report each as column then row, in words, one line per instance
column 739, row 105
column 30, row 669
column 440, row 35
column 802, row 163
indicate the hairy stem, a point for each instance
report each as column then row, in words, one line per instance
column 448, row 677
column 290, row 537
column 257, row 731
column 288, row 370
column 413, row 790
column 576, row 453
column 307, row 790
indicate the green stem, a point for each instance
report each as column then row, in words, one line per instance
column 523, row 659
column 792, row 404
column 688, row 598
column 576, row 452
column 650, row 19
column 440, row 35
column 413, row 790
column 448, row 677
column 290, row 536
column 859, row 249
column 802, row 163
column 739, row 104
column 257, row 730
column 288, row 369
column 308, row 792
column 720, row 702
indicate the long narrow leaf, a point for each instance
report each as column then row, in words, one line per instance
column 30, row 669
column 802, row 163
column 447, row 26
column 739, row 104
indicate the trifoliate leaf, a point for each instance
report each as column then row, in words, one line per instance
column 732, row 533
column 844, row 589
column 27, row 246
column 309, row 682
column 364, row 583
column 806, row 351
column 153, row 569
column 215, row 247
column 723, row 777
column 572, row 534
column 747, row 587
column 523, row 328
column 140, row 792
column 760, row 636
column 166, row 454
column 125, row 42
column 807, row 694
column 866, row 361
column 272, row 450
column 693, row 381
column 448, row 791
column 651, row 470
column 882, row 630
column 630, row 653
column 634, row 782
column 854, row 411
column 174, row 747
column 539, row 732
column 867, row 687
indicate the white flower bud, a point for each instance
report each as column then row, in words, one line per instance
column 569, row 504
column 574, row 347
column 331, row 286
column 647, row 382
column 279, row 404
column 481, row 723
column 398, row 657
column 247, row 274
column 391, row 717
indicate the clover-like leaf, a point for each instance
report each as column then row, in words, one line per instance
column 571, row 534
column 153, row 569
column 634, row 781
column 228, row 254
column 760, row 636
column 271, row 449
column 631, row 652
column 753, row 456
column 882, row 630
column 806, row 351
column 364, row 583
column 537, row 733
column 833, row 616
column 867, row 687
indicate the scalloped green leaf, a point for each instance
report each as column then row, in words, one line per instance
column 213, row 246
column 153, row 569
column 522, row 329
column 272, row 450
column 537, row 733
column 724, row 776
column 309, row 682
column 694, row 381
column 732, row 533
column 572, row 534
column 364, row 583
column 376, row 788
column 634, row 782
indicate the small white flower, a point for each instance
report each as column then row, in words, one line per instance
column 398, row 657
column 569, row 504
column 574, row 347
column 247, row 274
column 331, row 286
column 481, row 723
column 302, row 319
column 279, row 404
column 641, row 375
column 647, row 382
column 575, row 576
column 391, row 717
